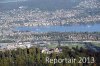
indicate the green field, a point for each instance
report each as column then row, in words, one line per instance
column 96, row 44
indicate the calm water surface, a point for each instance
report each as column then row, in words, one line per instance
column 76, row 28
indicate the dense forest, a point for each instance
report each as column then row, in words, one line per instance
column 33, row 57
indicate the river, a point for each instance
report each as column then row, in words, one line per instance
column 72, row 28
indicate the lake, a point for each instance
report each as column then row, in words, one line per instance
column 73, row 28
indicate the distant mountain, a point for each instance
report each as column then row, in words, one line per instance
column 50, row 4
column 90, row 4
column 42, row 4
column 6, row 1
